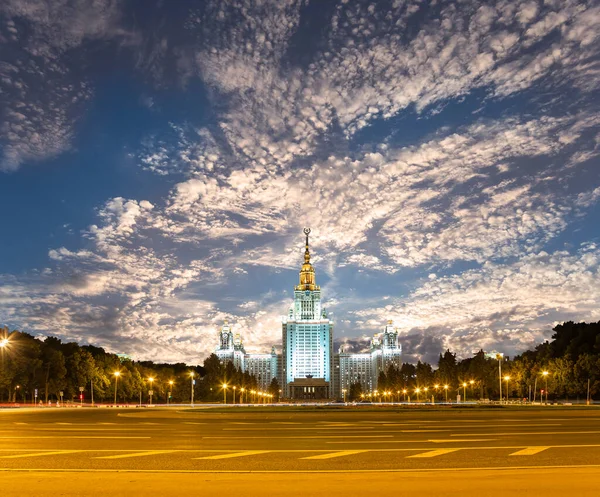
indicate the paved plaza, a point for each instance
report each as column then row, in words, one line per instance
column 328, row 450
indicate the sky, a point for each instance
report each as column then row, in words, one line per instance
column 159, row 160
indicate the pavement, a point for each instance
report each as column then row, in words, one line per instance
column 291, row 451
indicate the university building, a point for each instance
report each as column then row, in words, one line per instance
column 307, row 368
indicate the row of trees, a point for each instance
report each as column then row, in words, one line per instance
column 50, row 366
column 571, row 359
column 27, row 364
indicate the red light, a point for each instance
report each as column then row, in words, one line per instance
column 81, row 396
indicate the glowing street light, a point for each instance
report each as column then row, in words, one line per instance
column 545, row 375
column 507, row 378
column 242, row 390
column 3, row 343
column 116, row 374
column 344, row 394
column 224, row 385
column 192, row 381
column 234, row 388
column 171, row 382
column 404, row 391
column 151, row 380
column 464, row 385
column 446, row 391
column 418, row 391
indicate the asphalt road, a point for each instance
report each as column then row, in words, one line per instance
column 276, row 451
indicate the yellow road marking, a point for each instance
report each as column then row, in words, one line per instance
column 433, row 453
column 529, row 451
column 302, row 437
column 235, row 454
column 331, row 455
column 137, row 454
column 453, row 440
column 525, row 433
column 36, row 454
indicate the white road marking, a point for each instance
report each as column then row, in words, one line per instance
column 38, row 454
column 433, row 453
column 235, row 454
column 137, row 454
column 302, row 437
column 525, row 433
column 529, row 451
column 331, row 455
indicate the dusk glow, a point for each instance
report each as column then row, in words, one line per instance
column 158, row 164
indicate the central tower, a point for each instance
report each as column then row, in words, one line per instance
column 307, row 339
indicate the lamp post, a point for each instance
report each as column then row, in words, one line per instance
column 446, row 391
column 500, row 356
column 417, row 391
column 170, row 391
column 507, row 378
column 242, row 390
column 234, row 388
column 472, row 382
column 224, row 393
column 545, row 375
column 150, row 392
column 464, row 391
column 404, row 392
column 344, row 395
column 425, row 390
column 192, row 384
column 117, row 374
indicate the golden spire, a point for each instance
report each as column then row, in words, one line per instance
column 307, row 273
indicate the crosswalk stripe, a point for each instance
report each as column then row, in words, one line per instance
column 235, row 454
column 433, row 453
column 529, row 451
column 137, row 454
column 37, row 454
column 331, row 455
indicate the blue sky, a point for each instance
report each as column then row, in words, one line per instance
column 158, row 163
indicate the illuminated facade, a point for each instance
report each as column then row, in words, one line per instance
column 364, row 368
column 307, row 367
column 307, row 340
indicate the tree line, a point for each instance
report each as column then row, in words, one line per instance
column 571, row 359
column 49, row 366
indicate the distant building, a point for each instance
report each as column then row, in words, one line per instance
column 307, row 368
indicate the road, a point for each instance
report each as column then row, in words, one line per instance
column 286, row 451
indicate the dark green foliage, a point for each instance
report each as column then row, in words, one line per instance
column 52, row 367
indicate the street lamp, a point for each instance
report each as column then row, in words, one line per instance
column 344, row 394
column 404, row 391
column 3, row 343
column 151, row 380
column 506, row 378
column 464, row 391
column 446, row 391
column 234, row 394
column 224, row 393
column 545, row 375
column 170, row 391
column 117, row 374
column 418, row 391
column 500, row 357
column 192, row 381
column 242, row 390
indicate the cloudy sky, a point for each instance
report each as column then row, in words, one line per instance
column 158, row 161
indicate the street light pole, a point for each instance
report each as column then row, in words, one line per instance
column 117, row 374
column 507, row 378
column 464, row 391
column 151, row 380
column 499, row 356
column 192, row 383
column 545, row 374
column 446, row 391
column 234, row 388
column 170, row 392
column 224, row 393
